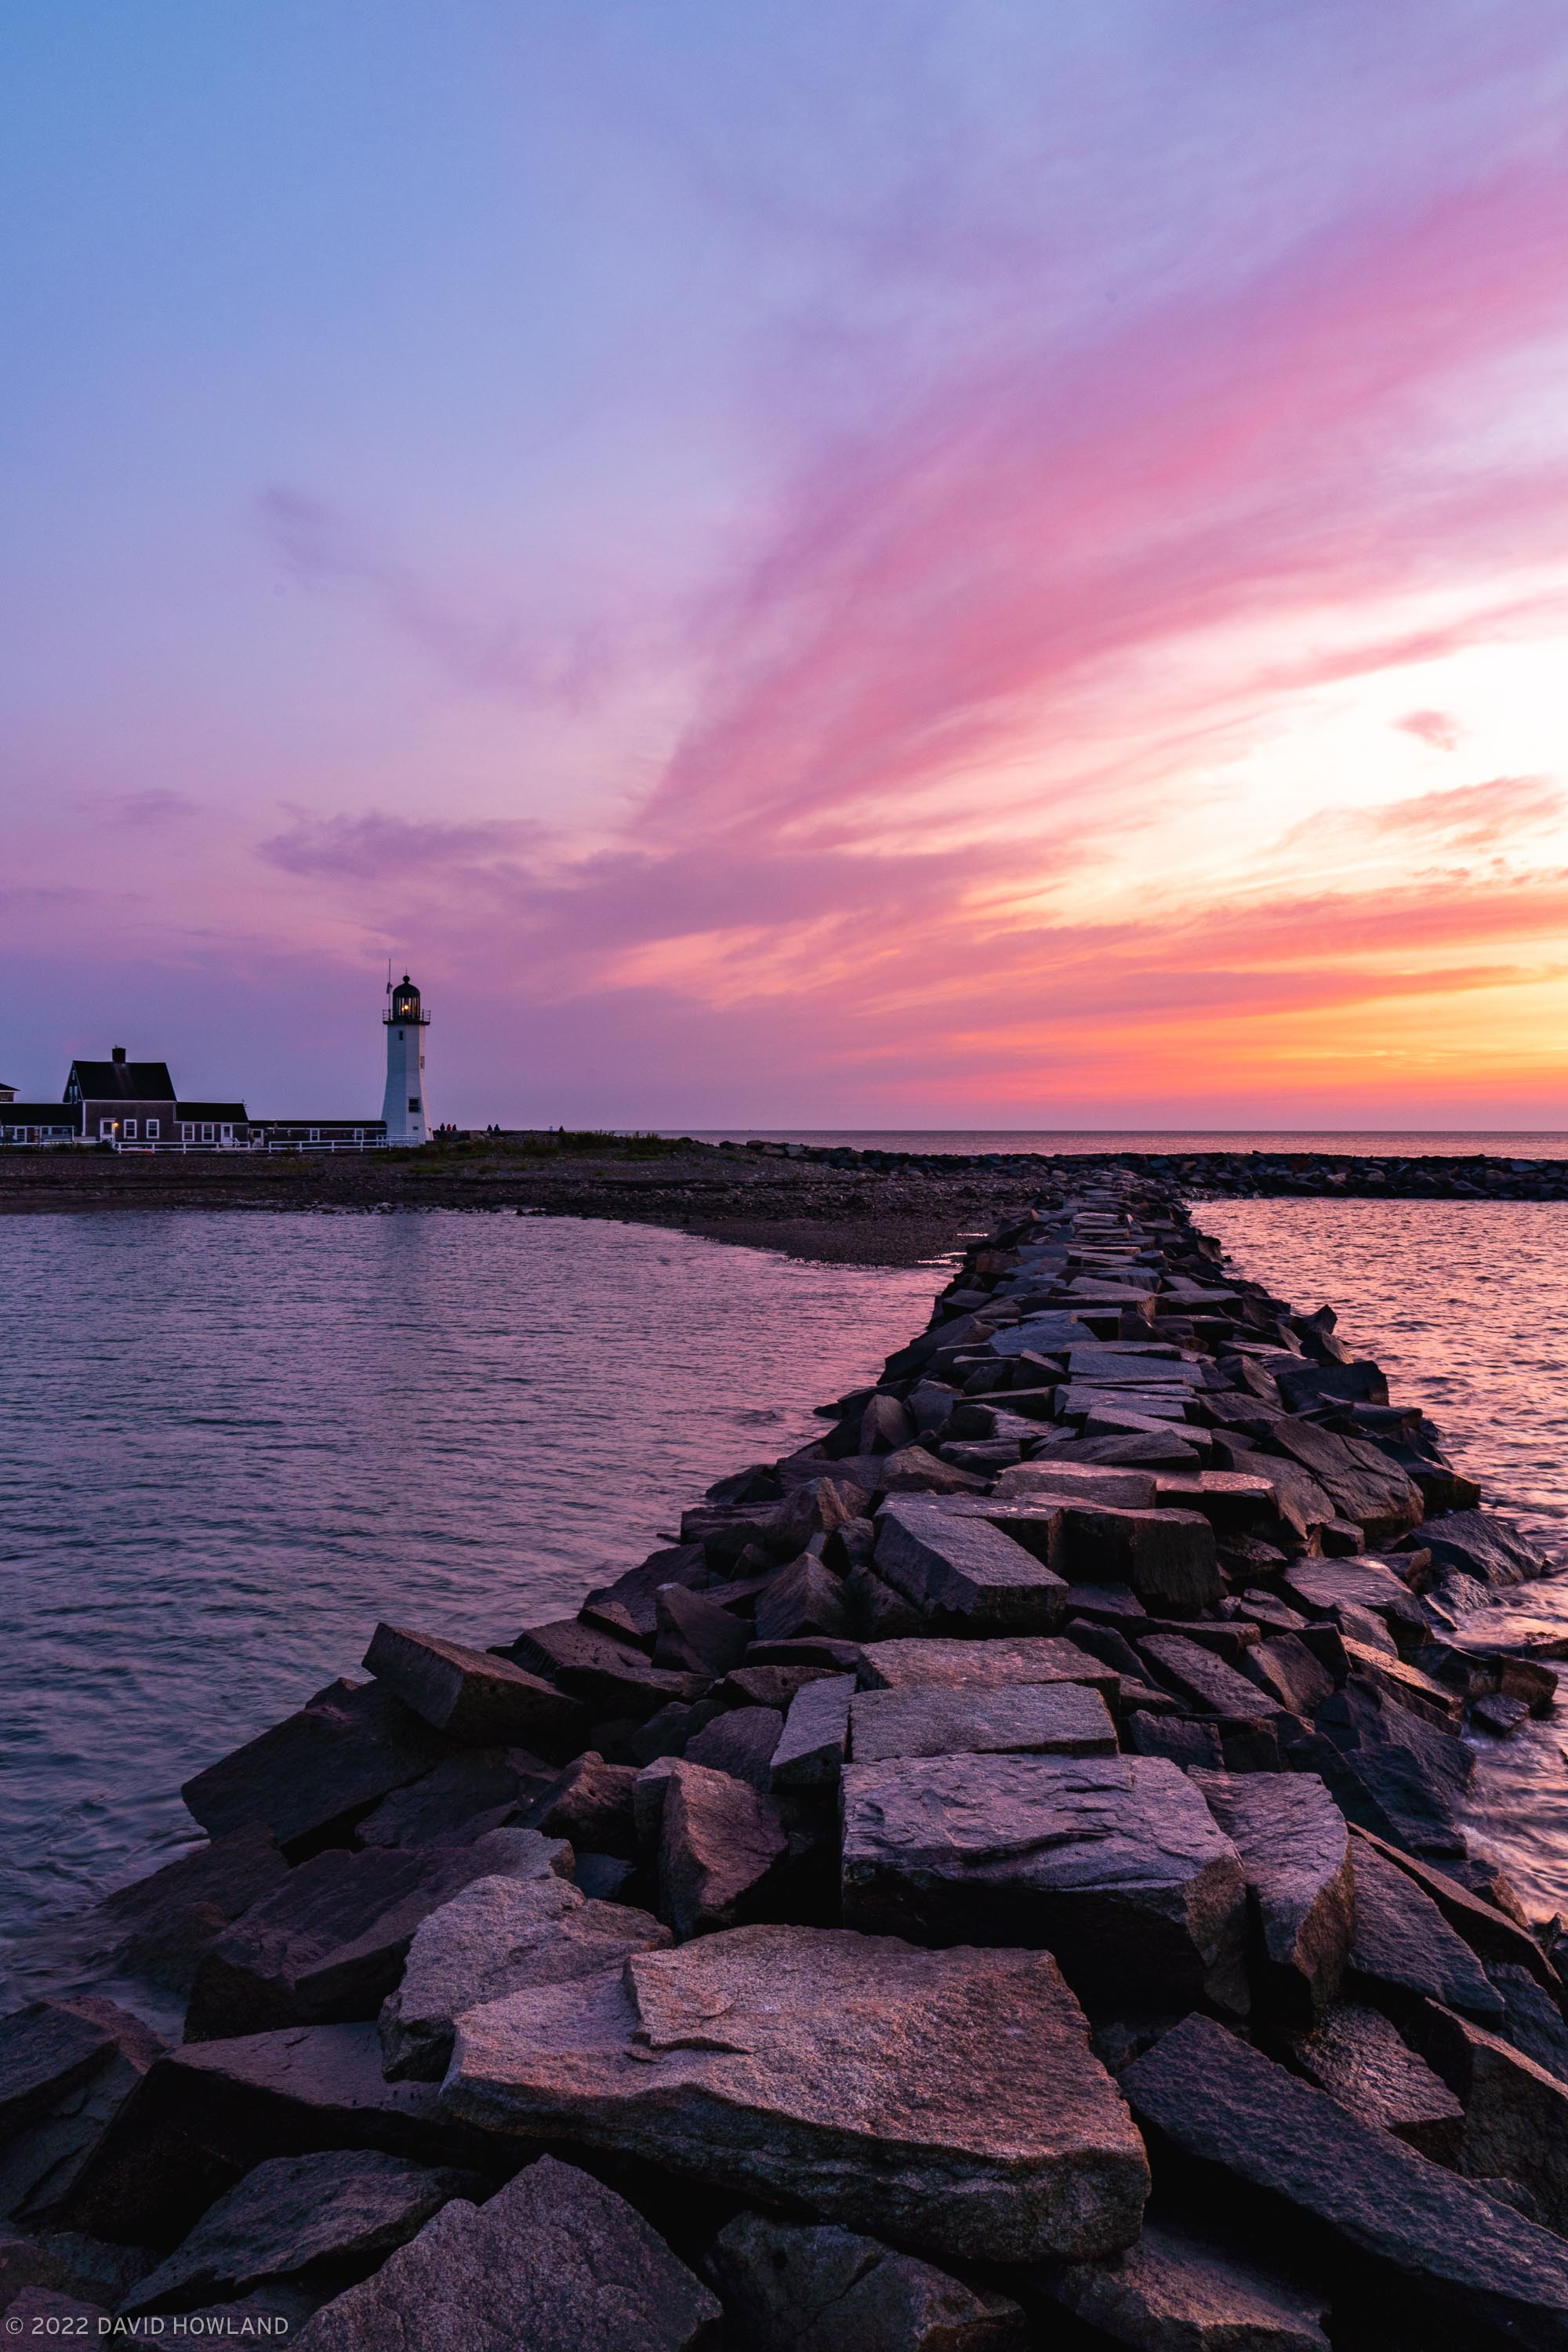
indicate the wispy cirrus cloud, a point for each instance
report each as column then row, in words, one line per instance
column 153, row 810
column 968, row 578
column 1475, row 816
column 1436, row 729
column 381, row 849
column 522, row 657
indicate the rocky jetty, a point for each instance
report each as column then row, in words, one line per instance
column 997, row 1881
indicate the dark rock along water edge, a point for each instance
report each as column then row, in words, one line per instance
column 997, row 1881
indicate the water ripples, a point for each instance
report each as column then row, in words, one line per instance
column 232, row 1443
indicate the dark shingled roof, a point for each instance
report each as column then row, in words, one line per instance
column 40, row 1114
column 223, row 1112
column 120, row 1082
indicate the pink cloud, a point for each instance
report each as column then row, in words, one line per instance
column 1433, row 727
column 1474, row 817
column 956, row 581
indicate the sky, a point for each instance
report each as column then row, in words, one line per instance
column 940, row 565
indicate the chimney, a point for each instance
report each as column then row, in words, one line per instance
column 117, row 1052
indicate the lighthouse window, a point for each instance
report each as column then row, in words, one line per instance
column 413, row 1102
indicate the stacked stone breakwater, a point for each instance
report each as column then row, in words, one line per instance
column 1240, row 1175
column 994, row 1881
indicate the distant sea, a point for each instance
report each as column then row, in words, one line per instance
column 1399, row 1143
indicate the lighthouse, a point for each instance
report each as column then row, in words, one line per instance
column 403, row 1104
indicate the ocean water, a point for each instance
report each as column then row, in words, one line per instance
column 1465, row 1304
column 1395, row 1143
column 229, row 1443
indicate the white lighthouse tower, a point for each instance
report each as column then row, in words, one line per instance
column 403, row 1104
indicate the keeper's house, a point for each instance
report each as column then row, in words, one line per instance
column 134, row 1105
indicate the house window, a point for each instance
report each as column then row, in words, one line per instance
column 315, row 1135
column 131, row 1131
column 209, row 1133
column 153, row 1131
column 187, row 1133
column 359, row 1134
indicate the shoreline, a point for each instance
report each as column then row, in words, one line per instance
column 831, row 1204
column 1103, row 1667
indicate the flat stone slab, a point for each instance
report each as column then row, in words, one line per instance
column 611, row 1676
column 1149, row 1404
column 1204, row 1680
column 1389, row 1770
column 589, row 1805
column 473, row 1790
column 320, row 1768
column 1436, row 2245
column 916, row 1663
column 1403, row 1943
column 948, row 2100
column 470, row 1695
column 965, row 1567
column 1359, row 2057
column 161, row 1924
column 1113, row 1862
column 1030, row 1718
column 1168, row 1558
column 50, row 2049
column 554, row 2261
column 1175, row 2291
column 1319, row 1587
column 790, row 2286
column 1077, row 1482
column 1285, row 1667
column 1483, row 1545
column 67, row 2069
column 810, row 1752
column 499, row 1936
column 293, row 2214
column 1050, row 1334
column 1515, row 2111
column 1490, row 1934
column 1295, row 1849
column 210, row 2110
column 328, row 1946
column 741, row 1742
column 720, row 1839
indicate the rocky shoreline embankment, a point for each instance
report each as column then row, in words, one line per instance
column 827, row 1203
column 995, row 1882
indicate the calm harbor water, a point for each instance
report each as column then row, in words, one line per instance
column 231, row 1443
column 1465, row 1304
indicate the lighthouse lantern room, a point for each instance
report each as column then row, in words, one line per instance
column 403, row 1107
